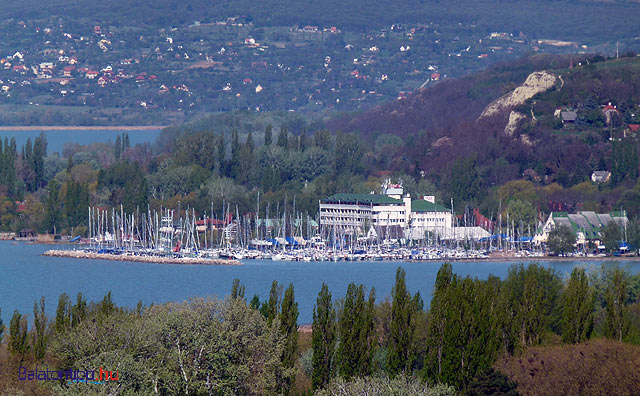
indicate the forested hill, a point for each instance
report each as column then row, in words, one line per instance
column 569, row 19
column 165, row 62
column 587, row 119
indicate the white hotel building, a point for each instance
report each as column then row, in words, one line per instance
column 390, row 215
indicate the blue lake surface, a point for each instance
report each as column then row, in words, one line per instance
column 25, row 276
column 56, row 139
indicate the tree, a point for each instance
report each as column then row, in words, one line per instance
column 39, row 330
column 577, row 316
column 79, row 310
column 401, row 353
column 268, row 135
column 323, row 338
column 612, row 235
column 283, row 138
column 356, row 348
column 237, row 289
column 616, row 324
column 289, row 327
column 117, row 149
column 63, row 314
column 561, row 240
column 1, row 323
column 270, row 308
column 531, row 297
column 255, row 302
column 18, row 345
column 438, row 319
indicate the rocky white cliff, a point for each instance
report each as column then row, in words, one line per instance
column 534, row 84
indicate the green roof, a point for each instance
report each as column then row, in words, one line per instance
column 368, row 199
column 421, row 205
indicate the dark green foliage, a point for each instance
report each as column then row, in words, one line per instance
column 323, row 338
column 39, row 330
column 76, row 202
column 579, row 304
column 624, row 160
column 612, row 235
column 127, row 185
column 532, row 304
column 52, row 213
column 271, row 307
column 63, row 314
column 491, row 382
column 268, row 135
column 117, row 149
column 356, row 347
column 79, row 310
column 237, row 289
column 349, row 151
column 464, row 181
column 255, row 302
column 617, row 313
column 106, row 307
column 289, row 328
column 464, row 322
column 200, row 148
column 561, row 240
column 283, row 138
column 404, row 309
column 18, row 345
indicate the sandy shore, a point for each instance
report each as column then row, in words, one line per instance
column 81, row 128
column 138, row 259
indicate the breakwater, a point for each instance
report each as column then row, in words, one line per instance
column 80, row 254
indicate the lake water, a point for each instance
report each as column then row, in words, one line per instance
column 56, row 139
column 25, row 275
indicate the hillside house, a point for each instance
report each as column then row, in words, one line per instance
column 568, row 116
column 600, row 177
column 586, row 226
column 631, row 130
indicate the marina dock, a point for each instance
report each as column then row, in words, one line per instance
column 81, row 254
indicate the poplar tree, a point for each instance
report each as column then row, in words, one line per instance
column 283, row 137
column 346, row 358
column 357, row 344
column 39, row 339
column 63, row 314
column 289, row 328
column 617, row 315
column 577, row 315
column 271, row 307
column 117, row 148
column 268, row 135
column 237, row 289
column 401, row 351
column 18, row 345
column 255, row 302
column 438, row 319
column 221, row 154
column 79, row 310
column 323, row 338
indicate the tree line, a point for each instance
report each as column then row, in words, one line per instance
column 245, row 347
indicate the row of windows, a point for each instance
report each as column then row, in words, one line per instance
column 341, row 211
column 429, row 220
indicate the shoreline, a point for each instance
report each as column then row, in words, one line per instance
column 23, row 128
column 78, row 254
